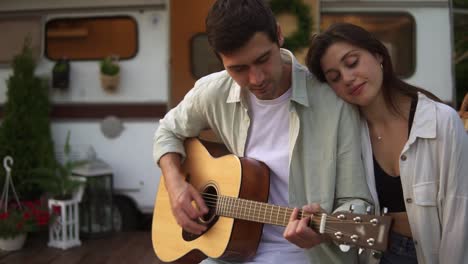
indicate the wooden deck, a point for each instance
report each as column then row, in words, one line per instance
column 123, row 247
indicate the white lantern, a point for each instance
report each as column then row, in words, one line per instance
column 96, row 216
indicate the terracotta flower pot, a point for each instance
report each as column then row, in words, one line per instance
column 15, row 243
column 110, row 83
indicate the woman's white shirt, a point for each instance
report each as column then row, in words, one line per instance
column 434, row 176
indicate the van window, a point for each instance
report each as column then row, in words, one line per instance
column 91, row 38
column 203, row 58
column 395, row 30
column 19, row 29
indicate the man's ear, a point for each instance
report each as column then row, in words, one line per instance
column 279, row 35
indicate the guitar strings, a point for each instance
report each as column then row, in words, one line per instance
column 212, row 200
column 257, row 217
column 315, row 223
column 215, row 198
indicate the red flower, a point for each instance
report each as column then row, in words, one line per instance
column 4, row 215
column 29, row 204
column 42, row 218
column 56, row 209
column 19, row 226
column 26, row 215
column 42, row 221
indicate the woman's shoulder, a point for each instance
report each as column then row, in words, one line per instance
column 443, row 111
column 445, row 115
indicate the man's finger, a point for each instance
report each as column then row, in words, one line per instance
column 189, row 224
column 195, row 228
column 294, row 214
column 201, row 206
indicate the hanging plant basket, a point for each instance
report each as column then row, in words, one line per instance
column 13, row 243
column 110, row 74
column 17, row 218
column 61, row 74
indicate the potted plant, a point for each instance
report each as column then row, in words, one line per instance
column 61, row 74
column 58, row 180
column 17, row 221
column 66, row 192
column 110, row 73
column 25, row 133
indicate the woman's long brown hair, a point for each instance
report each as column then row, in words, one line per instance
column 359, row 37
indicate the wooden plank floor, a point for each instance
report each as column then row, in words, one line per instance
column 122, row 247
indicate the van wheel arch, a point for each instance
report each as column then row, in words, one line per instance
column 126, row 214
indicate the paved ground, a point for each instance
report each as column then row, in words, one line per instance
column 123, row 247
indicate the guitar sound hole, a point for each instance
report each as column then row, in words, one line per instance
column 210, row 196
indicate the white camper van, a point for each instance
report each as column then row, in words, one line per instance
column 162, row 50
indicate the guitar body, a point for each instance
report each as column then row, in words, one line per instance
column 226, row 238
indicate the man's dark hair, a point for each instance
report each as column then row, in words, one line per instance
column 230, row 24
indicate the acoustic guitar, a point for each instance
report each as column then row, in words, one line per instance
column 236, row 192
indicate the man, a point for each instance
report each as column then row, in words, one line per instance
column 267, row 106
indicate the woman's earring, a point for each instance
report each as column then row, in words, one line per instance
column 381, row 66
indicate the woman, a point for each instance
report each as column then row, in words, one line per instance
column 414, row 148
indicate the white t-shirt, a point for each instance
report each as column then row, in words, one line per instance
column 268, row 141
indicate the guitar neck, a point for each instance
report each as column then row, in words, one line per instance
column 254, row 211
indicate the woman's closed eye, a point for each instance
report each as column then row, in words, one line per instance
column 351, row 62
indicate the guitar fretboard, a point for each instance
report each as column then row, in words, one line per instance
column 253, row 211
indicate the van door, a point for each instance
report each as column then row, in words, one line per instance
column 187, row 22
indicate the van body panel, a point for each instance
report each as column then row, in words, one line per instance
column 130, row 155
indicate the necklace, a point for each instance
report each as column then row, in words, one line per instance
column 376, row 135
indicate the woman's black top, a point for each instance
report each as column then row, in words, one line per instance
column 389, row 189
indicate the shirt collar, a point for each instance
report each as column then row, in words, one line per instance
column 425, row 122
column 298, row 82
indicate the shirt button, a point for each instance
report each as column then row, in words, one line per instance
column 403, row 157
column 409, row 200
